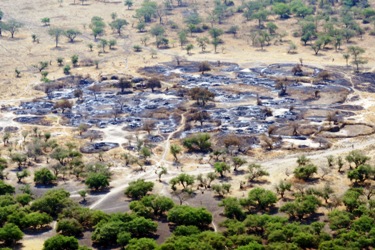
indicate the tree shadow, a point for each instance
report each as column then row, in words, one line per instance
column 99, row 192
column 51, row 185
column 239, row 172
column 58, row 48
column 37, row 231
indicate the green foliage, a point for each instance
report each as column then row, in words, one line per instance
column 10, row 234
column 256, row 171
column 69, row 227
column 189, row 216
column 361, row 173
column 305, row 172
column 186, row 230
column 35, row 220
column 352, row 200
column 97, row 181
column 97, row 26
column 56, row 33
column 141, row 244
column 67, row 69
column 302, row 206
column 139, row 188
column 184, row 179
column 357, row 157
column 24, row 199
column 199, row 142
column 281, row 9
column 232, row 208
column 5, row 188
column 52, row 202
column 221, row 167
column 151, row 205
column 118, row 25
column 60, row 242
column 282, row 187
column 147, row 11
column 72, row 34
column 44, row 177
column 259, row 198
column 108, row 232
column 74, row 59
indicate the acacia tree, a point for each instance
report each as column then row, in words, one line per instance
column 118, row 25
column 12, row 26
column 356, row 53
column 56, row 33
column 175, row 150
column 71, row 34
column 215, row 33
column 221, row 167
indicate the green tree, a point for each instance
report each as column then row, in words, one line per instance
column 158, row 204
column 142, row 243
column 185, row 180
column 215, row 33
column 102, row 44
column 182, row 37
column 200, row 142
column 97, row 181
column 56, row 33
column 356, row 53
column 357, row 157
column 72, row 34
column 61, row 242
column 36, row 220
column 19, row 158
column 238, row 162
column 44, row 177
column 305, row 172
column 232, row 208
column 260, row 15
column 221, row 167
column 157, row 31
column 147, row 11
column 52, row 202
column 97, row 26
column 74, row 59
column 6, row 189
column 256, row 171
column 281, row 9
column 188, row 48
column 12, row 26
column 118, row 25
column 282, row 187
column 175, row 150
column 202, row 43
column 339, row 219
column 361, row 173
column 128, row 3
column 23, row 174
column 260, row 199
column 10, row 234
column 301, row 207
column 123, row 238
column 139, row 188
column 185, row 215
column 69, row 227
